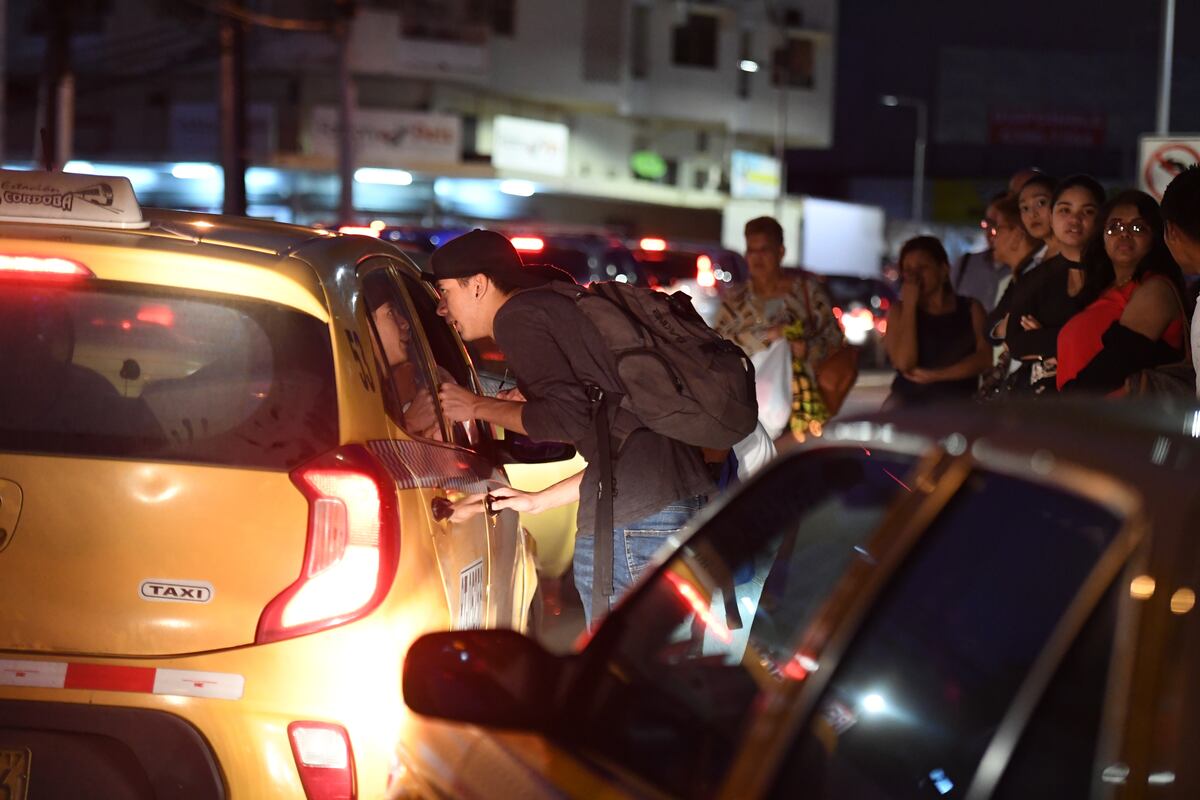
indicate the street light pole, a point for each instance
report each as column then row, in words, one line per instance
column 922, row 110
column 1166, row 55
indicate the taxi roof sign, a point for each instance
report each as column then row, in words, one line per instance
column 104, row 201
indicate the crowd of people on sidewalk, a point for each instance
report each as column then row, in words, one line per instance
column 1076, row 293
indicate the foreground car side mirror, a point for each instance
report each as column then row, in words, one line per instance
column 518, row 448
column 495, row 678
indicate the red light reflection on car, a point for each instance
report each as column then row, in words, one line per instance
column 691, row 596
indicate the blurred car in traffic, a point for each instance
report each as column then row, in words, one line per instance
column 930, row 603
column 588, row 255
column 861, row 306
column 225, row 486
column 701, row 269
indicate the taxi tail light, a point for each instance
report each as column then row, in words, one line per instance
column 324, row 760
column 528, row 244
column 704, row 271
column 14, row 266
column 352, row 549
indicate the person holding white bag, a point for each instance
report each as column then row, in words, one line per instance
column 781, row 316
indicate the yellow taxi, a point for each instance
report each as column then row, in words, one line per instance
column 225, row 495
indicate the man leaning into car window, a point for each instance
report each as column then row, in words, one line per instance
column 659, row 483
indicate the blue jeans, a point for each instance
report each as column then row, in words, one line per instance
column 634, row 545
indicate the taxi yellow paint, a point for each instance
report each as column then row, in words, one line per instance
column 82, row 532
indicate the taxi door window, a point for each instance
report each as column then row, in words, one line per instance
column 921, row 690
column 408, row 396
column 450, row 362
column 708, row 636
column 1056, row 755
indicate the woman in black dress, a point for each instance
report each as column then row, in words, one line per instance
column 935, row 338
column 1050, row 295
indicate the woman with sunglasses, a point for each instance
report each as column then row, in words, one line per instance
column 1134, row 317
column 1050, row 296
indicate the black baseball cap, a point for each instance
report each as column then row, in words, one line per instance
column 484, row 252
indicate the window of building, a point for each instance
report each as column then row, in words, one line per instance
column 602, row 47
column 638, row 41
column 792, row 64
column 694, row 43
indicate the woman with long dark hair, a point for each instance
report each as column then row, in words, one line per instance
column 1042, row 304
column 1133, row 315
column 934, row 337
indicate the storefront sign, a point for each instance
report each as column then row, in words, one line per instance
column 529, row 145
column 753, row 176
column 389, row 138
column 1047, row 128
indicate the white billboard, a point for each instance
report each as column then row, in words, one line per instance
column 753, row 176
column 529, row 145
column 389, row 138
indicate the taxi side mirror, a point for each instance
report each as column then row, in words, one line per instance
column 495, row 678
column 517, row 448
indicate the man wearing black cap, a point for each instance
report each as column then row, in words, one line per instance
column 557, row 356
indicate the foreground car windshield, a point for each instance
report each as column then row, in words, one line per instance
column 728, row 621
column 114, row 370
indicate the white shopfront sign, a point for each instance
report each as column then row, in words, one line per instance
column 529, row 145
column 389, row 138
column 753, row 176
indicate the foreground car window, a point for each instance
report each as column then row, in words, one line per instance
column 923, row 687
column 706, row 636
column 135, row 372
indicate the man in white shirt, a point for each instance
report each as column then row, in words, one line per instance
column 1181, row 213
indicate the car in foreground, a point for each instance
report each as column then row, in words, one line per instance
column 225, row 486
column 929, row 603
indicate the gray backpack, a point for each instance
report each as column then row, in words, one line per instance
column 679, row 377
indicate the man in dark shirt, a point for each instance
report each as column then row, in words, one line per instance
column 556, row 355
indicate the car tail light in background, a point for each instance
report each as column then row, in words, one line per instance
column 352, row 549
column 528, row 244
column 704, row 271
column 360, row 230
column 653, row 244
column 42, row 267
column 856, row 323
column 324, row 760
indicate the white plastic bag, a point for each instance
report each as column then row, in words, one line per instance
column 773, row 379
column 754, row 452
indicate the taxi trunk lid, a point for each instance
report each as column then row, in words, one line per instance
column 136, row 559
column 148, row 434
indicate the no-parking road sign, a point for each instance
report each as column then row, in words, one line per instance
column 1161, row 158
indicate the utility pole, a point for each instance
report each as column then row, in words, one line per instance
column 349, row 99
column 3, row 75
column 56, row 97
column 232, row 114
column 780, row 71
column 1166, row 52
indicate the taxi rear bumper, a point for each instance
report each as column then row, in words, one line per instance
column 77, row 750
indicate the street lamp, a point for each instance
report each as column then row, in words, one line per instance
column 892, row 100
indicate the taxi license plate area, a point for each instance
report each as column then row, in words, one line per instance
column 14, row 773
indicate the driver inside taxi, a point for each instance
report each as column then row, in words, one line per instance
column 415, row 399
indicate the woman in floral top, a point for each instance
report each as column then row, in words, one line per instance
column 778, row 304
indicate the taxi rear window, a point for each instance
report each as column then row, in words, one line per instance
column 119, row 370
